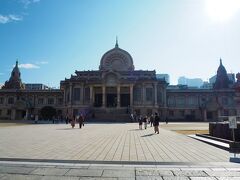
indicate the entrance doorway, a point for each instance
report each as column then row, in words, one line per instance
column 125, row 97
column 20, row 114
column 125, row 100
column 111, row 96
column 98, row 100
column 111, row 100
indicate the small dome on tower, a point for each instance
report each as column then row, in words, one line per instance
column 15, row 81
column 16, row 72
column 222, row 81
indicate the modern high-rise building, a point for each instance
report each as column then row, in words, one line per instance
column 164, row 76
column 194, row 82
column 36, row 86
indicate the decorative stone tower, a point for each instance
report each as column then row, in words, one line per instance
column 15, row 81
column 222, row 81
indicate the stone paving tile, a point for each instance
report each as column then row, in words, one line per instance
column 126, row 178
column 118, row 173
column 233, row 169
column 195, row 169
column 149, row 178
column 223, row 173
column 15, row 170
column 73, row 167
column 228, row 178
column 112, row 167
column 175, row 178
column 28, row 165
column 154, row 172
column 169, row 168
column 217, row 169
column 149, row 172
column 203, row 178
column 190, row 173
column 97, row 178
column 84, row 172
column 21, row 177
column 50, row 171
column 59, row 178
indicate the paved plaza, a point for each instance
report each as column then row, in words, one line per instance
column 104, row 142
column 109, row 151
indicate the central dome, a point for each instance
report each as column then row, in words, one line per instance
column 116, row 59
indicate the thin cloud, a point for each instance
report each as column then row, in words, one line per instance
column 28, row 66
column 41, row 62
column 26, row 3
column 9, row 18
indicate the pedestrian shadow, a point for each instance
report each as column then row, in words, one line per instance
column 146, row 135
column 66, row 128
column 134, row 129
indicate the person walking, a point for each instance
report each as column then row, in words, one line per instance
column 140, row 122
column 73, row 121
column 80, row 121
column 156, row 123
column 151, row 120
column 145, row 121
column 66, row 119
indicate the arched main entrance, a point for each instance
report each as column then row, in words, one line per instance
column 111, row 96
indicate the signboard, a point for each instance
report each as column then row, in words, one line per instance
column 232, row 122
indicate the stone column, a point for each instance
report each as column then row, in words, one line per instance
column 103, row 96
column 13, row 114
column 218, row 114
column 164, row 98
column 56, row 101
column 118, row 96
column 70, row 93
column 91, row 95
column 205, row 115
column 155, row 94
column 64, row 96
column 143, row 93
column 27, row 114
column 131, row 95
column 82, row 94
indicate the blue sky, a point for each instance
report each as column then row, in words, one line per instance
column 53, row 38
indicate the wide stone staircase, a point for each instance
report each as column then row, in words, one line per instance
column 110, row 115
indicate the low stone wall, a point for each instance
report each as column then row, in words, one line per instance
column 221, row 130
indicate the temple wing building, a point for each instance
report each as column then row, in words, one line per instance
column 116, row 90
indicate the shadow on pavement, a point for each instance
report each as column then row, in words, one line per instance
column 148, row 135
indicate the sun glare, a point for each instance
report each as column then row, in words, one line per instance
column 222, row 10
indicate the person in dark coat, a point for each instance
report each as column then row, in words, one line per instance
column 80, row 121
column 145, row 122
column 156, row 123
column 66, row 119
column 151, row 119
column 140, row 121
column 73, row 121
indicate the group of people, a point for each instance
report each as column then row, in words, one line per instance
column 76, row 119
column 153, row 120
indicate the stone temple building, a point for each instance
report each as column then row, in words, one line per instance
column 116, row 90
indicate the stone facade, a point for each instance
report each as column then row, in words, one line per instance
column 115, row 91
column 116, row 88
